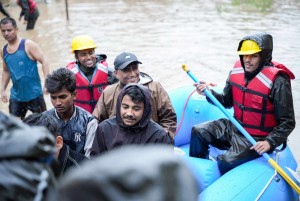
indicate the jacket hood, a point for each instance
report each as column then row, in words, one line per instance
column 265, row 42
column 18, row 140
column 147, row 105
column 145, row 78
column 132, row 172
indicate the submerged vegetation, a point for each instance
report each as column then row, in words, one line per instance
column 262, row 6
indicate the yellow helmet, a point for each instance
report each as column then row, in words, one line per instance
column 82, row 42
column 249, row 47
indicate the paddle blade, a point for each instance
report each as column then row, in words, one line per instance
column 284, row 175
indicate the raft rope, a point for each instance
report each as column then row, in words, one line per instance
column 185, row 104
column 183, row 111
column 271, row 179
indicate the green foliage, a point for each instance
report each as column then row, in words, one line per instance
column 262, row 5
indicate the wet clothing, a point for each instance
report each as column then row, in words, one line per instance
column 141, row 173
column 24, row 74
column 19, row 109
column 25, row 157
column 78, row 132
column 90, row 82
column 224, row 135
column 162, row 110
column 26, row 92
column 68, row 158
column 29, row 11
column 252, row 106
column 113, row 132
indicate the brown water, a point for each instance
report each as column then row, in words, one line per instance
column 164, row 34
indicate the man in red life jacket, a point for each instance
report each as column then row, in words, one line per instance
column 91, row 71
column 259, row 90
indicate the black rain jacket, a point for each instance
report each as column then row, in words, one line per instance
column 113, row 132
column 281, row 92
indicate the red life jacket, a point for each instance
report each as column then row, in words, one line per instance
column 252, row 106
column 32, row 5
column 88, row 92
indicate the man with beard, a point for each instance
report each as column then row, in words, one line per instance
column 127, row 71
column 259, row 90
column 132, row 123
column 77, row 125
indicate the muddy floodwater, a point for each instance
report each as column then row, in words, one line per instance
column 164, row 34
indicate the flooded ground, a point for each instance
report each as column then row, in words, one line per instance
column 164, row 34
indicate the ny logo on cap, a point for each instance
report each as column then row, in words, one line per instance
column 127, row 57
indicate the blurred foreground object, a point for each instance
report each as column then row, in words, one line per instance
column 25, row 156
column 148, row 172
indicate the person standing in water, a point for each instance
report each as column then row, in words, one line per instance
column 20, row 57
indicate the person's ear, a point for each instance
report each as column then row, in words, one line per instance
column 75, row 55
column 59, row 142
column 74, row 95
column 116, row 73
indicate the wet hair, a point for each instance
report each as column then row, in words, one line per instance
column 135, row 94
column 45, row 120
column 59, row 79
column 7, row 20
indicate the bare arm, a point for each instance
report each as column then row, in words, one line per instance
column 5, row 80
column 35, row 53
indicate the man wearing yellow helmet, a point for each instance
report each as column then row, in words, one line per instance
column 259, row 91
column 91, row 71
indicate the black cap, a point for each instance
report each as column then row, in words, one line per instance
column 124, row 59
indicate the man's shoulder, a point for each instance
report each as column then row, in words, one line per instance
column 109, row 126
column 84, row 116
column 110, row 121
column 82, row 112
column 29, row 44
column 156, row 126
column 155, row 83
column 27, row 41
column 110, row 89
column 50, row 112
column 4, row 47
column 155, row 86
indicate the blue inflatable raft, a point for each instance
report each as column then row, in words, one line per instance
column 254, row 180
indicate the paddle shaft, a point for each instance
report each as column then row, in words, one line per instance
column 245, row 133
